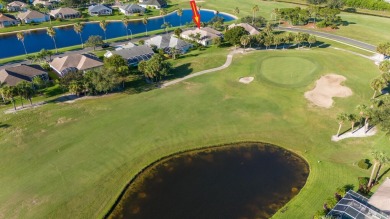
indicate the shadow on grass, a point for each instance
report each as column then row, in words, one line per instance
column 180, row 71
column 4, row 126
column 138, row 85
column 383, row 174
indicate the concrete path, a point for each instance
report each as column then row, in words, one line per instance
column 340, row 39
column 227, row 64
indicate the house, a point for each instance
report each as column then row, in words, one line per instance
column 96, row 10
column 33, row 17
column 167, row 42
column 125, row 46
column 16, row 6
column 133, row 55
column 204, row 35
column 45, row 4
column 7, row 20
column 75, row 62
column 130, row 9
column 251, row 30
column 65, row 13
column 354, row 205
column 381, row 198
column 157, row 4
column 13, row 75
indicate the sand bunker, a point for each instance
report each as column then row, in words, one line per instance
column 327, row 87
column 246, row 80
column 360, row 133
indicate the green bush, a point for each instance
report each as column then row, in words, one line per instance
column 319, row 214
column 364, row 164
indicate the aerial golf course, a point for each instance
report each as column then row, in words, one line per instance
column 72, row 160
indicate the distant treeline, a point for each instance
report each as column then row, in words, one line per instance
column 379, row 5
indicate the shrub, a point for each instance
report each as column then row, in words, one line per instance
column 319, row 214
column 364, row 164
column 321, row 24
column 331, row 202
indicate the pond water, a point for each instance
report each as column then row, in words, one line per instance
column 66, row 36
column 246, row 180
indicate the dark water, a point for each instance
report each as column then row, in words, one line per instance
column 250, row 181
column 66, row 36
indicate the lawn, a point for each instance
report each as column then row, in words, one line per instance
column 73, row 160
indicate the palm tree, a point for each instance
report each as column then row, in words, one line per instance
column 341, row 119
column 236, row 11
column 163, row 12
column 245, row 39
column 166, row 25
column 180, row 13
column 26, row 90
column 10, row 93
column 2, row 85
column 20, row 90
column 365, row 112
column 382, row 159
column 312, row 39
column 377, row 85
column 126, row 22
column 353, row 119
column 20, row 36
column 52, row 33
column 78, row 28
column 255, row 9
column 145, row 22
column 103, row 25
column 277, row 41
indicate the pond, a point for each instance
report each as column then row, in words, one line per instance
column 246, row 180
column 66, row 36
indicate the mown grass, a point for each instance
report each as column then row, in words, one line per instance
column 73, row 160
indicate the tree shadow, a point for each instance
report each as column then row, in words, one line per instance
column 139, row 85
column 346, row 23
column 64, row 98
column 383, row 174
column 180, row 71
column 4, row 126
column 322, row 45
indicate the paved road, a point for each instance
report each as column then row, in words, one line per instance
column 333, row 37
column 229, row 59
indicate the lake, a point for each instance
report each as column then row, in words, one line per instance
column 245, row 180
column 66, row 36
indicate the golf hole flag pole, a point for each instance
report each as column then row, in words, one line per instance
column 195, row 12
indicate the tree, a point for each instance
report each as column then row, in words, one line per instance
column 166, row 26
column 385, row 66
column 20, row 36
column 382, row 159
column 217, row 41
column 377, row 158
column 316, row 2
column 341, row 118
column 38, row 82
column 268, row 29
column 103, row 25
column 335, row 4
column 76, row 87
column 381, row 115
column 52, row 33
column 277, row 41
column 180, row 13
column 365, row 113
column 233, row 35
column 244, row 40
column 352, row 118
column 126, row 22
column 25, row 90
column 377, row 85
column 119, row 66
column 313, row 11
column 384, row 49
column 311, row 40
column 10, row 93
column 299, row 38
column 255, row 9
column 174, row 52
column 163, row 12
column 94, row 41
column 2, row 84
column 145, row 22
column 78, row 28
column 178, row 31
column 268, row 40
column 155, row 68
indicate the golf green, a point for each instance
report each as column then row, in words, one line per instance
column 287, row 71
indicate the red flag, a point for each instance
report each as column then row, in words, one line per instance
column 195, row 12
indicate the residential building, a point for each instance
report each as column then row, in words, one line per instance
column 133, row 55
column 7, row 20
column 46, row 4
column 130, row 9
column 96, row 10
column 75, row 62
column 157, row 4
column 204, row 35
column 33, row 17
column 251, row 30
column 13, row 75
column 167, row 42
column 65, row 13
column 381, row 198
column 16, row 6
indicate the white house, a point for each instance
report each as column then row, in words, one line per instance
column 130, row 9
column 157, row 4
column 251, row 30
column 204, row 35
column 75, row 62
column 65, row 13
column 46, row 4
column 96, row 10
column 16, row 6
column 167, row 42
column 33, row 17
